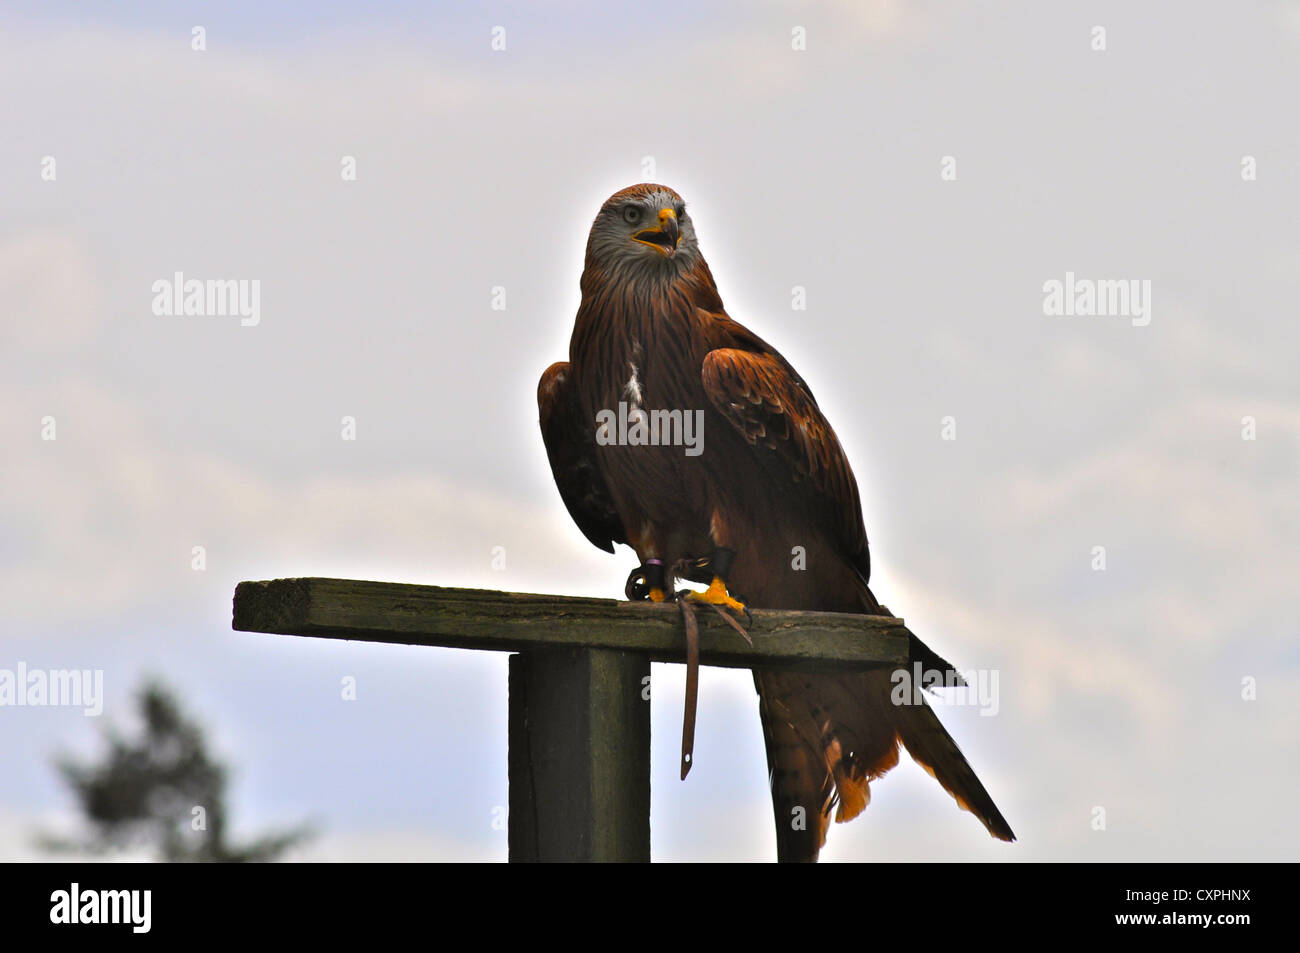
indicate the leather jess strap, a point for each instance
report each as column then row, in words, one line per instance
column 692, row 684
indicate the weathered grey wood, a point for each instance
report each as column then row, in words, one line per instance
column 517, row 622
column 579, row 760
column 579, row 731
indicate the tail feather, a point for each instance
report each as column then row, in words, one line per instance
column 801, row 789
column 829, row 736
column 930, row 746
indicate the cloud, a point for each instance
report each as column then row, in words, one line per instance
column 817, row 169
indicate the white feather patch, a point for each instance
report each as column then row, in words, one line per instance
column 632, row 390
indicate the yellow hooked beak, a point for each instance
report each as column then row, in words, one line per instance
column 664, row 237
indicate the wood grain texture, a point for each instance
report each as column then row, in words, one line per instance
column 519, row 622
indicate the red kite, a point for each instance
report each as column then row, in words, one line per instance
column 681, row 433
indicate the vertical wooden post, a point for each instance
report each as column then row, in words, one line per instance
column 579, row 758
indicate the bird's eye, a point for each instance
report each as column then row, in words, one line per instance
column 631, row 215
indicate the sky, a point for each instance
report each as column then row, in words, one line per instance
column 1100, row 508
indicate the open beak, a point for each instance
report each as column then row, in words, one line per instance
column 664, row 237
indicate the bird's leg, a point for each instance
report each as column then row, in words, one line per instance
column 654, row 577
column 718, row 597
column 716, row 594
column 696, row 569
column 647, row 581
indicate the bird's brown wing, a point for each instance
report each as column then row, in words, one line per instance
column 828, row 736
column 570, row 444
column 762, row 396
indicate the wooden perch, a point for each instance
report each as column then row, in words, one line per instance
column 521, row 622
column 579, row 729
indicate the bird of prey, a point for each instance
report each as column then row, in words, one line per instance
column 767, row 475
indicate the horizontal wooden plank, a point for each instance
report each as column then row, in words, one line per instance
column 516, row 622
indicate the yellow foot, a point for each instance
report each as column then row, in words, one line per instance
column 656, row 595
column 716, row 595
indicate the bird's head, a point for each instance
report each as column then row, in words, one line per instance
column 643, row 227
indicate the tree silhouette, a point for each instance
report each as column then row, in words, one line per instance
column 162, row 789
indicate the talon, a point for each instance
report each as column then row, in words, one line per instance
column 717, row 595
column 657, row 595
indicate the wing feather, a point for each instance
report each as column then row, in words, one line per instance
column 763, row 397
column 570, row 446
